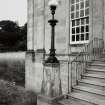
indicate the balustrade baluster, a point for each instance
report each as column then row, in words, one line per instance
column 76, row 73
column 71, row 75
column 68, row 78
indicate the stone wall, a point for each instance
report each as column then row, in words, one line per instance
column 97, row 18
column 39, row 37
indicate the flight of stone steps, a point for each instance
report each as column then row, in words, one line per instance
column 91, row 88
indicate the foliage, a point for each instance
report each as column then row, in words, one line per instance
column 12, row 36
column 22, row 45
column 9, row 26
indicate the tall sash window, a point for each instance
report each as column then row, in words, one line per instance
column 79, row 14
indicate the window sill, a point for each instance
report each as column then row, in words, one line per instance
column 79, row 43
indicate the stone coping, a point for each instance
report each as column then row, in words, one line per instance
column 36, row 51
column 30, row 51
column 40, row 51
column 51, row 64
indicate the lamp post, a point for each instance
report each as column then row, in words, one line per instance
column 51, row 84
column 53, row 5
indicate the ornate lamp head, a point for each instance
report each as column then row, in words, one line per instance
column 53, row 3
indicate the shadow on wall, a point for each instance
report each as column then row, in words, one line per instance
column 12, row 67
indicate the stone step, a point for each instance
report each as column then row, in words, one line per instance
column 97, row 64
column 99, row 61
column 96, row 83
column 96, row 69
column 102, row 56
column 93, row 75
column 90, row 90
column 87, row 97
column 73, row 101
column 89, row 93
column 91, row 85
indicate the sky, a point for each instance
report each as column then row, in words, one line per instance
column 15, row 10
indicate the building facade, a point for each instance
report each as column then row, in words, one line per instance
column 80, row 21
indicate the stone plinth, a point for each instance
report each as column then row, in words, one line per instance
column 51, row 89
column 51, row 84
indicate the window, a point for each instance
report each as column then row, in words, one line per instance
column 79, row 21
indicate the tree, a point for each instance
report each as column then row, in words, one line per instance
column 12, row 36
column 9, row 26
column 22, row 45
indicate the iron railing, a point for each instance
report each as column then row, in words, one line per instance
column 90, row 52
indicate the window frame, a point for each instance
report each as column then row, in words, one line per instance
column 80, row 19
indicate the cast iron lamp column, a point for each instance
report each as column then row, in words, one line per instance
column 52, row 59
column 51, row 84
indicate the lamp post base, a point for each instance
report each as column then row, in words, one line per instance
column 42, row 100
column 51, row 84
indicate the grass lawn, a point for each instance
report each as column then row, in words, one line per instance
column 12, row 67
column 12, row 70
column 15, row 95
